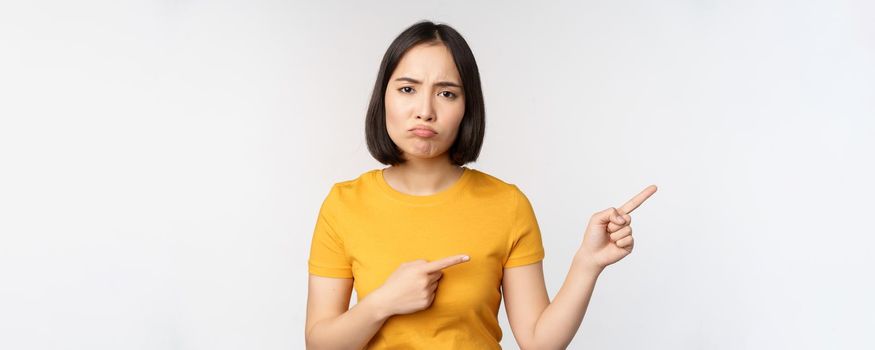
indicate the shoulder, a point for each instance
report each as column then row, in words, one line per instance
column 486, row 184
column 358, row 182
column 350, row 189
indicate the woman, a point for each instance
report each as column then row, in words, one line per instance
column 430, row 244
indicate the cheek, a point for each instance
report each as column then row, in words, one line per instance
column 394, row 114
column 454, row 114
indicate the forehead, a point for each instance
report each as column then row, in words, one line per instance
column 427, row 61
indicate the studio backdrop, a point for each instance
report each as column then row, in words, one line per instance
column 162, row 163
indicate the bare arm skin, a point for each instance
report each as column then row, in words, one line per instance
column 538, row 323
column 410, row 288
column 535, row 321
column 328, row 315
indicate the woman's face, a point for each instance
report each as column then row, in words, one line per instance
column 425, row 91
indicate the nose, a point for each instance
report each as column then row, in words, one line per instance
column 426, row 108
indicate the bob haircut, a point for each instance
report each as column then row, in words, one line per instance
column 469, row 139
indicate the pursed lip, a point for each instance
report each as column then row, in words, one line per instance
column 423, row 127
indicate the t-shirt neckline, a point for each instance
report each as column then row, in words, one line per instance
column 435, row 198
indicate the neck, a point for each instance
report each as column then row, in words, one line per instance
column 423, row 176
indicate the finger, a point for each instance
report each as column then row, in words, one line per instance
column 435, row 276
column 633, row 203
column 623, row 232
column 619, row 220
column 441, row 264
column 612, row 227
column 625, row 242
column 605, row 216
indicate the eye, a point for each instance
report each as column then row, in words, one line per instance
column 405, row 87
column 449, row 95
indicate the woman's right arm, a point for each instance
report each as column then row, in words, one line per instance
column 410, row 288
column 331, row 324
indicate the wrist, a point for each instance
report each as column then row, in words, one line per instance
column 376, row 307
column 587, row 263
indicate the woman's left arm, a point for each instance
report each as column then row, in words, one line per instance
column 535, row 321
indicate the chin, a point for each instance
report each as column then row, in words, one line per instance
column 408, row 155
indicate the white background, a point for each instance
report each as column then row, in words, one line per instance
column 162, row 162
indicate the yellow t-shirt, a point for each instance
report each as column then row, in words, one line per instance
column 366, row 229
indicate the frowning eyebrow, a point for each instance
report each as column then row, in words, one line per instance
column 440, row 83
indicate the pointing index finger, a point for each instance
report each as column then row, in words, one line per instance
column 446, row 262
column 638, row 199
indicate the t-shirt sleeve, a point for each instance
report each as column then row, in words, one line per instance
column 328, row 257
column 525, row 236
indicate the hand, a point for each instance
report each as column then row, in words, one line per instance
column 411, row 287
column 608, row 236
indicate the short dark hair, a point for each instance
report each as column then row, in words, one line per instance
column 469, row 139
